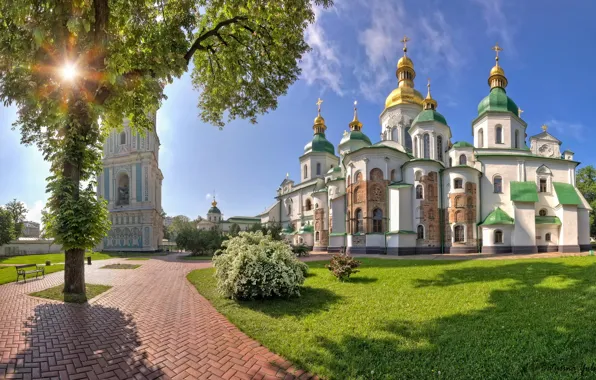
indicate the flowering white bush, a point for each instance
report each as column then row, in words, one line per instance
column 253, row 265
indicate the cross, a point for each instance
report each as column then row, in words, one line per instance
column 428, row 84
column 519, row 112
column 497, row 49
column 355, row 103
column 319, row 102
column 405, row 42
column 544, row 127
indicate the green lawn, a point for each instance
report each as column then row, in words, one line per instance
column 138, row 258
column 411, row 319
column 55, row 293
column 9, row 274
column 59, row 257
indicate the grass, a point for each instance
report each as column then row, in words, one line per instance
column 59, row 257
column 120, row 266
column 9, row 274
column 138, row 258
column 410, row 319
column 56, row 293
column 191, row 257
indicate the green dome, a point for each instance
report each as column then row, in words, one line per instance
column 354, row 136
column 497, row 100
column 334, row 169
column 214, row 210
column 319, row 144
column 429, row 115
column 462, row 144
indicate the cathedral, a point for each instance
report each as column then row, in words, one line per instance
column 131, row 183
column 416, row 192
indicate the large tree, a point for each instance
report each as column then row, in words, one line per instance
column 17, row 210
column 7, row 232
column 76, row 68
column 586, row 184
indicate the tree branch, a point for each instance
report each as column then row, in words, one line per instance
column 213, row 32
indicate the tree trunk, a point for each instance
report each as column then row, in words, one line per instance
column 74, row 271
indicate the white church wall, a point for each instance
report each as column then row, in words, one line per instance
column 542, row 230
column 568, row 235
column 524, row 233
column 583, row 226
column 506, row 168
column 488, row 235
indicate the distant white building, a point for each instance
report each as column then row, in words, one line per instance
column 215, row 220
column 29, row 246
column 31, row 229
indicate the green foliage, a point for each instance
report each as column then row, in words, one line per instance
column 343, row 266
column 300, row 250
column 7, row 232
column 255, row 227
column 179, row 223
column 274, row 229
column 234, row 230
column 199, row 242
column 18, row 211
column 586, row 184
column 253, row 265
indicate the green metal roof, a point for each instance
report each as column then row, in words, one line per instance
column 401, row 232
column 429, row 115
column 462, row 144
column 400, row 184
column 319, row 144
column 214, row 210
column 334, row 169
column 355, row 135
column 523, row 191
column 566, row 194
column 548, row 220
column 497, row 100
column 307, row 229
column 498, row 216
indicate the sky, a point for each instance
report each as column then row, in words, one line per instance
column 548, row 57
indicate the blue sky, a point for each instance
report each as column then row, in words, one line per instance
column 548, row 58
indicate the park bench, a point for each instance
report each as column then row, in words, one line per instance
column 22, row 271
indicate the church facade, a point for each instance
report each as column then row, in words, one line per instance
column 215, row 220
column 416, row 192
column 131, row 183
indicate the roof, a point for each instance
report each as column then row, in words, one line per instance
column 400, row 185
column 523, row 191
column 497, row 100
column 243, row 219
column 355, row 135
column 429, row 115
column 319, row 144
column 334, row 169
column 566, row 194
column 548, row 220
column 546, row 135
column 214, row 210
column 497, row 217
column 462, row 144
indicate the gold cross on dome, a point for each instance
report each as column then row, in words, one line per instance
column 405, row 42
column 544, row 127
column 519, row 112
column 497, row 49
column 319, row 102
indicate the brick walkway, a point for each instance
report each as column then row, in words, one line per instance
column 151, row 324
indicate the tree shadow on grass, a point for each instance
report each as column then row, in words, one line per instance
column 539, row 322
column 64, row 340
column 311, row 301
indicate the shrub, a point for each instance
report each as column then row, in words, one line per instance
column 253, row 265
column 300, row 250
column 342, row 266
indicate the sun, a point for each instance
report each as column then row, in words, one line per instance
column 68, row 71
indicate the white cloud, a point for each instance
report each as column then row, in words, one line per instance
column 497, row 23
column 34, row 213
column 321, row 64
column 208, row 196
column 565, row 128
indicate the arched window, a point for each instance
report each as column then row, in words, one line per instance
column 393, row 176
column 318, row 168
column 440, row 148
column 450, row 162
column 416, row 146
column 376, row 174
column 547, row 237
column 516, row 142
column 359, row 221
column 123, row 138
column 542, row 185
column 420, row 232
column 542, row 212
column 499, row 134
column 419, row 194
column 317, row 236
column 377, row 220
column 497, row 184
column 463, row 160
column 358, row 177
column 426, row 143
column 123, row 190
column 458, row 183
column 418, row 175
column 458, row 233
column 305, row 171
column 308, row 205
column 408, row 139
column 498, row 237
column 290, row 209
column 481, row 138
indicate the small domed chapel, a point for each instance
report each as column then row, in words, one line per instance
column 416, row 192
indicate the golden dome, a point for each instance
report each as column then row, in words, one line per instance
column 403, row 94
column 497, row 74
column 214, row 203
column 497, row 70
column 319, row 120
column 405, row 61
